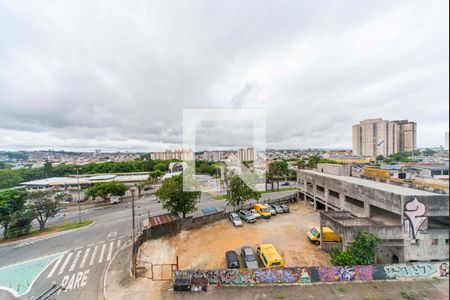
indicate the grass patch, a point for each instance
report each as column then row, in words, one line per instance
column 342, row 290
column 59, row 228
column 405, row 295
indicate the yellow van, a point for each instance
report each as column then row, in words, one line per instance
column 269, row 256
column 328, row 235
column 263, row 210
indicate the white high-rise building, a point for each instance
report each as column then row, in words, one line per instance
column 246, row 154
column 375, row 137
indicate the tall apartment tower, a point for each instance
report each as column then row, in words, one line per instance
column 375, row 137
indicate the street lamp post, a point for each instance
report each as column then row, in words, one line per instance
column 133, row 255
column 79, row 197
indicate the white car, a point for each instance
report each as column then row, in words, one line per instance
column 255, row 213
column 234, row 218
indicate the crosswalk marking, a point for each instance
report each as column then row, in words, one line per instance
column 100, row 260
column 65, row 263
column 93, row 256
column 110, row 251
column 83, row 261
column 75, row 261
column 58, row 261
column 83, row 257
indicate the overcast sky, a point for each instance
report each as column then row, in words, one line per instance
column 117, row 75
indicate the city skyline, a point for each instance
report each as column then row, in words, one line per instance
column 316, row 69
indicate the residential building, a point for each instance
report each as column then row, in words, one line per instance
column 213, row 156
column 374, row 137
column 178, row 154
column 247, row 154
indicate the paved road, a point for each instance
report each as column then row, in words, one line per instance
column 86, row 252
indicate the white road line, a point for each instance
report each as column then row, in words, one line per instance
column 65, row 263
column 55, row 266
column 100, row 260
column 110, row 251
column 83, row 261
column 93, row 256
column 118, row 244
column 75, row 261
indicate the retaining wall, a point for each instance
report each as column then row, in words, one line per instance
column 305, row 275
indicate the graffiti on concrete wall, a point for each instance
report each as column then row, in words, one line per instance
column 211, row 275
column 346, row 273
column 396, row 271
column 286, row 275
column 303, row 275
column 443, row 270
column 236, row 277
column 414, row 217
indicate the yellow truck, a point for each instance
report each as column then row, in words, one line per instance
column 328, row 235
column 263, row 210
column 269, row 256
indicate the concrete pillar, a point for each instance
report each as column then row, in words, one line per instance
column 314, row 195
column 321, row 233
column 342, row 200
column 366, row 209
column 327, row 194
column 305, row 184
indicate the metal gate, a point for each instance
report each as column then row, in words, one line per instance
column 162, row 272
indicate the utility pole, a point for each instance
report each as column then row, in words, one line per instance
column 133, row 256
column 79, row 197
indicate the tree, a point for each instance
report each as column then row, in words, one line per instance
column 362, row 252
column 155, row 175
column 380, row 158
column 301, row 164
column 106, row 189
column 11, row 202
column 48, row 169
column 174, row 199
column 142, row 184
column 239, row 192
column 278, row 168
column 313, row 161
column 43, row 207
column 9, row 178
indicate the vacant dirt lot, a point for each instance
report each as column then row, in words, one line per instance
column 205, row 248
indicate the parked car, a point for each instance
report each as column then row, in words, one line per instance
column 263, row 210
column 232, row 260
column 285, row 208
column 269, row 256
column 249, row 258
column 273, row 212
column 255, row 213
column 234, row 218
column 278, row 209
column 247, row 216
column 284, row 184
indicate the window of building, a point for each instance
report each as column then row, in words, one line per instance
column 434, row 242
column 354, row 201
column 446, row 241
column 320, row 188
column 334, row 194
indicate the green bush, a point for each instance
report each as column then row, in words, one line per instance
column 362, row 252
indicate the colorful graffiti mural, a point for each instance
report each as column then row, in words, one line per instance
column 335, row 273
column 305, row 275
column 415, row 270
column 414, row 217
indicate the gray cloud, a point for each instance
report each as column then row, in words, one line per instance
column 117, row 75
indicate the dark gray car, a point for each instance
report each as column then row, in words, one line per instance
column 285, row 208
column 249, row 258
column 232, row 260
